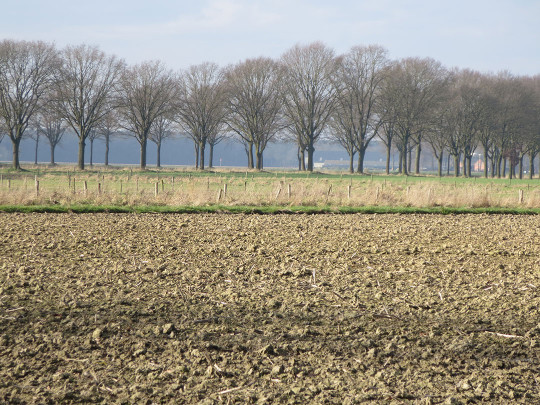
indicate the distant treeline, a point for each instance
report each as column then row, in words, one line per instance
column 307, row 95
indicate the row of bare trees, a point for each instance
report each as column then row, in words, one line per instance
column 307, row 95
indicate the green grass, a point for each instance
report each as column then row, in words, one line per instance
column 81, row 209
column 120, row 189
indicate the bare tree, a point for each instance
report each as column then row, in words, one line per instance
column 201, row 109
column 359, row 79
column 415, row 86
column 510, row 102
column 160, row 130
column 50, row 125
column 84, row 87
column 535, row 126
column 146, row 93
column 107, row 128
column 35, row 135
column 254, row 107
column 214, row 138
column 437, row 136
column 26, row 74
column 92, row 136
column 309, row 94
column 387, row 111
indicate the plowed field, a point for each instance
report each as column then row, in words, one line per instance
column 221, row 308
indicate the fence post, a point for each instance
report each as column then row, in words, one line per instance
column 520, row 196
column 349, row 191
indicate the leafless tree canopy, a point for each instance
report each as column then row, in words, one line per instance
column 306, row 95
column 201, row 105
column 108, row 127
column 415, row 87
column 52, row 127
column 355, row 121
column 145, row 94
column 26, row 74
column 254, row 89
column 309, row 94
column 161, row 129
column 85, row 84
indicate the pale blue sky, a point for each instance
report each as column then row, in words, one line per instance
column 486, row 35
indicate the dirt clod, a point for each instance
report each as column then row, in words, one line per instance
column 293, row 309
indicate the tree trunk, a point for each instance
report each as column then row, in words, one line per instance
column 404, row 160
column 531, row 165
column 52, row 155
column 16, row 146
column 196, row 144
column 499, row 165
column 465, row 166
column 311, row 150
column 456, row 164
column 400, row 162
column 351, row 162
column 409, row 161
column 201, row 155
column 107, row 140
column 143, row 153
column 361, row 155
column 303, row 160
column 36, row 152
column 91, row 151
column 158, row 152
column 388, row 154
column 417, row 162
column 211, row 156
column 80, row 162
column 259, row 160
column 485, row 162
column 249, row 152
column 440, row 164
column 520, row 169
column 504, row 168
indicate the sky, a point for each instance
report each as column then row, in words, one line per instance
column 484, row 35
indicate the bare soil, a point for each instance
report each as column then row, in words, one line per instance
column 126, row 308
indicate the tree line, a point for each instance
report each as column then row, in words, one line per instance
column 306, row 95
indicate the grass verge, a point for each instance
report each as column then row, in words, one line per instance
column 80, row 209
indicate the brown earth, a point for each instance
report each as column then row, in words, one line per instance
column 269, row 309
